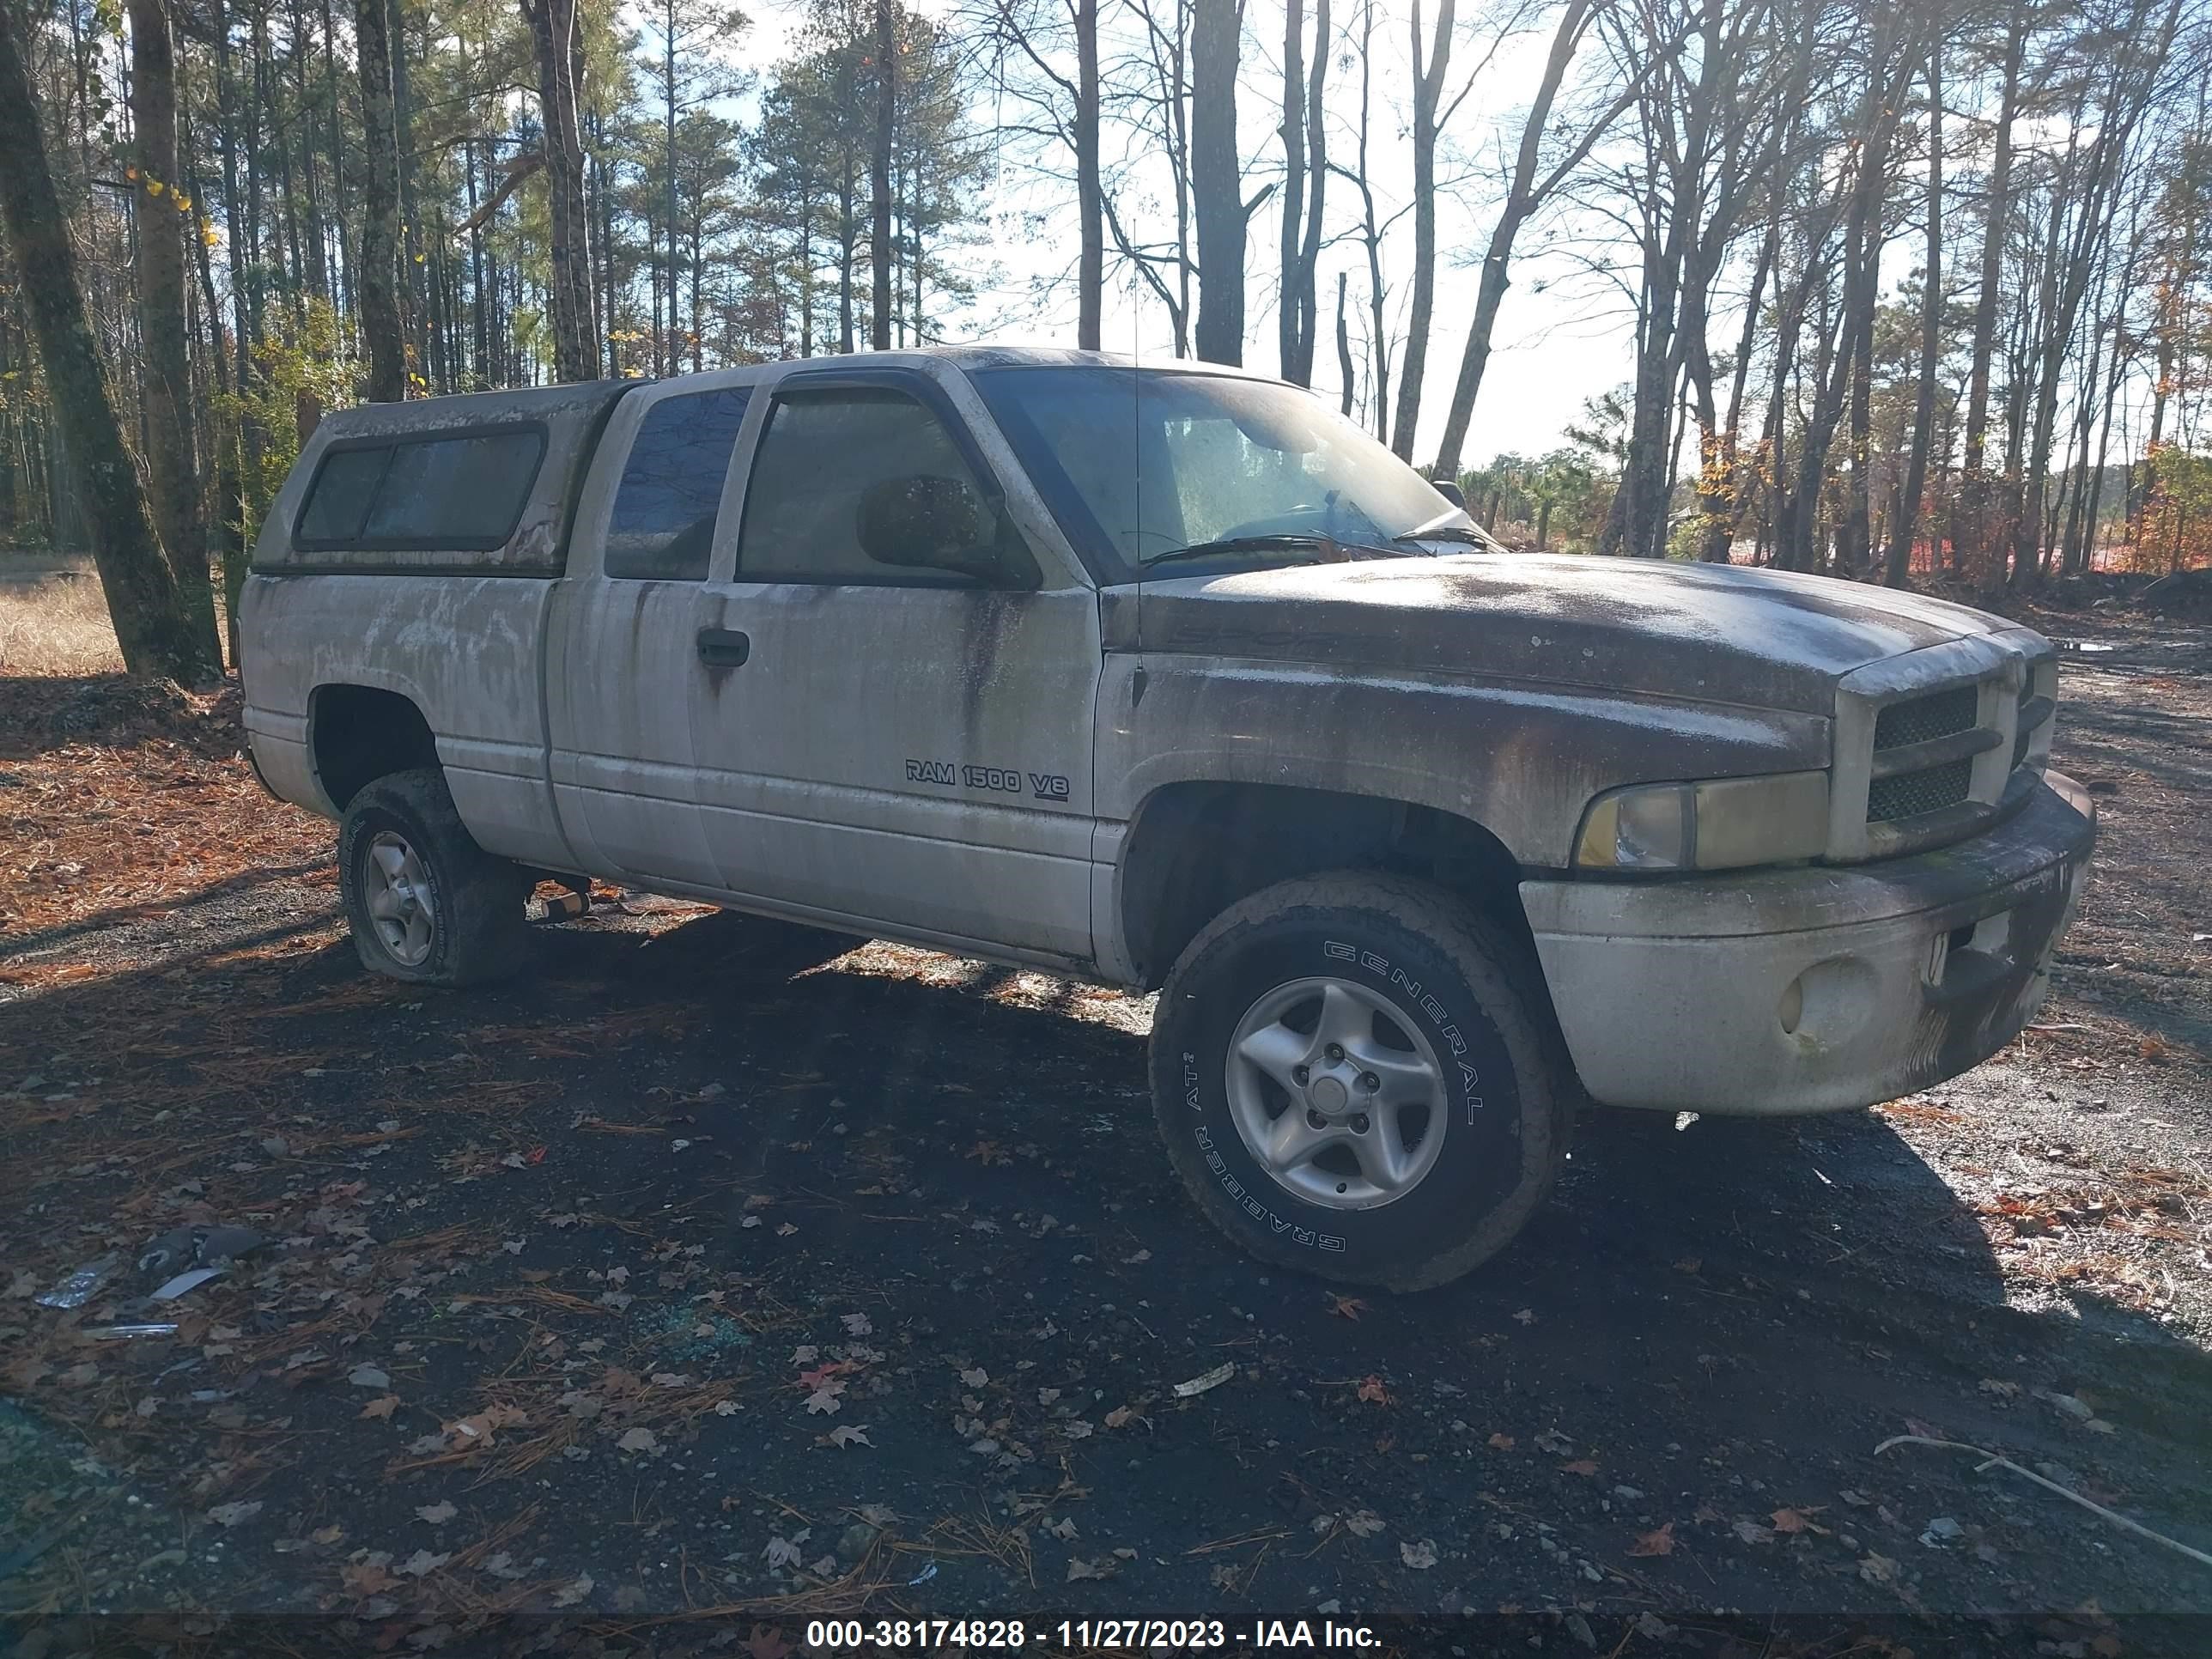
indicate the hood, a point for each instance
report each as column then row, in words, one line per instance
column 1711, row 633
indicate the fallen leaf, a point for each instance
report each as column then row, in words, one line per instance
column 231, row 1515
column 1796, row 1521
column 638, row 1440
column 436, row 1514
column 381, row 1408
column 573, row 1591
column 1078, row 1568
column 1661, row 1543
column 1752, row 1533
column 365, row 1578
column 767, row 1643
column 1345, row 1307
column 328, row 1536
column 975, row 1379
column 856, row 1324
column 1502, row 1442
column 367, row 1377
column 1526, row 1316
column 1421, row 1554
column 1363, row 1524
column 824, row 1399
column 1580, row 1466
column 1372, row 1390
column 1120, row 1415
column 1878, row 1569
column 423, row 1561
column 850, row 1435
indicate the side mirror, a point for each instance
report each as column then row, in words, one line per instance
column 928, row 522
column 1450, row 491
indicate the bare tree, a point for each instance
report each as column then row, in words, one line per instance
column 1217, row 179
column 1526, row 193
column 1428, row 116
column 1900, row 565
column 1305, row 176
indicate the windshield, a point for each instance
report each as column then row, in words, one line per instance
column 1145, row 463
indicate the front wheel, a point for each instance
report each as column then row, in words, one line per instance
column 1354, row 1078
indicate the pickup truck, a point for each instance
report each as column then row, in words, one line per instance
column 1171, row 678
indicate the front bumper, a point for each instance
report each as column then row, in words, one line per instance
column 1815, row 989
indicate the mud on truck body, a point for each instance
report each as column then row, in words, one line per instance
column 1172, row 680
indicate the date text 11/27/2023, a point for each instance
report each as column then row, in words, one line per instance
column 828, row 1634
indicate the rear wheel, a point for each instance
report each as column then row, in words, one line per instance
column 425, row 902
column 1355, row 1076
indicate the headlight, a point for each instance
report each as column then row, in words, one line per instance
column 1726, row 823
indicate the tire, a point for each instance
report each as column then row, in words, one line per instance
column 426, row 903
column 1437, row 1001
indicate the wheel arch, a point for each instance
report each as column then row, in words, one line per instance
column 1194, row 848
column 358, row 733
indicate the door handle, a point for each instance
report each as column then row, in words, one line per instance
column 724, row 648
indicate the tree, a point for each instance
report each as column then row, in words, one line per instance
column 1217, row 180
column 1526, row 193
column 556, row 48
column 156, row 633
column 886, row 67
column 1427, row 120
column 1305, row 177
column 379, row 235
column 1900, row 564
column 162, row 202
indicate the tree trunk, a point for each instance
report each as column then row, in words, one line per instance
column 156, row 633
column 879, row 180
column 172, row 454
column 1343, row 351
column 1969, row 524
column 1931, row 334
column 1428, row 94
column 1217, row 182
column 379, row 234
column 557, row 44
column 1090, row 255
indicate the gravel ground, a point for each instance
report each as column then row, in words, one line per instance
column 719, row 1275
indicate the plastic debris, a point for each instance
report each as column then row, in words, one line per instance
column 1213, row 1379
column 224, row 1244
column 190, row 1279
column 125, row 1333
column 77, row 1289
column 923, row 1576
column 184, row 1247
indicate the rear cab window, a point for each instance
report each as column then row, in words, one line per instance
column 662, row 525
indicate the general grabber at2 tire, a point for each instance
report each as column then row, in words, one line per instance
column 425, row 902
column 1356, row 1075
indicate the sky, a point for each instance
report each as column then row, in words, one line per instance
column 1563, row 335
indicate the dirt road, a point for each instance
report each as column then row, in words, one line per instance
column 717, row 1271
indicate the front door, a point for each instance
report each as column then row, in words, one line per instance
column 908, row 741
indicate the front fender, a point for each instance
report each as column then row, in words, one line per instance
column 1520, row 758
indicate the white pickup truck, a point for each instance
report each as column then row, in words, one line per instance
column 1171, row 678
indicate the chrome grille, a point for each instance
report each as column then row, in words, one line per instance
column 1942, row 715
column 1910, row 793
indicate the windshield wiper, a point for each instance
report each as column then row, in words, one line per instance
column 1330, row 550
column 1445, row 532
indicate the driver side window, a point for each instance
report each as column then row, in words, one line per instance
column 830, row 475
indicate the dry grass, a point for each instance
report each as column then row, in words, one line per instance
column 56, row 625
